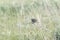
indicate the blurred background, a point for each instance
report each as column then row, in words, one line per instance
column 16, row 20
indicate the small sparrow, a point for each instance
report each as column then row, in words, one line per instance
column 33, row 20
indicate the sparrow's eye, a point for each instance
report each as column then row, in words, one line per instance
column 33, row 20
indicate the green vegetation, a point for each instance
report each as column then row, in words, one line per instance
column 16, row 24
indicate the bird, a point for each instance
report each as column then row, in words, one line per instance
column 33, row 20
